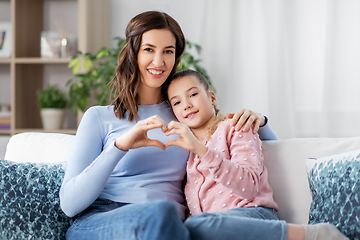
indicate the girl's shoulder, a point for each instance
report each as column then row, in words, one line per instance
column 225, row 129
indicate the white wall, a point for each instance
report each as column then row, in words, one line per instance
column 189, row 14
column 3, row 142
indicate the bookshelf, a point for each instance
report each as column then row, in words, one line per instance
column 27, row 71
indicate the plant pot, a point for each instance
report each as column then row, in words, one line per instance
column 52, row 118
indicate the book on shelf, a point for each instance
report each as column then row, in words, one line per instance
column 5, row 121
column 4, row 127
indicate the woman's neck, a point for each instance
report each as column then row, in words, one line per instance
column 149, row 97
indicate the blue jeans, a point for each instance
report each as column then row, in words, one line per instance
column 255, row 223
column 106, row 219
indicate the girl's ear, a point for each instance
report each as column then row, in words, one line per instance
column 213, row 98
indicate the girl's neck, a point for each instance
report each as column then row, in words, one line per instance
column 202, row 133
column 205, row 132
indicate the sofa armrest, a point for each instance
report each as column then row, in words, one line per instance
column 286, row 164
column 39, row 147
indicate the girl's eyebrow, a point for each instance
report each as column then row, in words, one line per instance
column 153, row 46
column 185, row 91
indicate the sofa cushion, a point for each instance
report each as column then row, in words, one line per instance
column 29, row 203
column 335, row 187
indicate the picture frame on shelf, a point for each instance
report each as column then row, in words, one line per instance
column 5, row 39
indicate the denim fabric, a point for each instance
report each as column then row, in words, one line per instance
column 255, row 223
column 106, row 219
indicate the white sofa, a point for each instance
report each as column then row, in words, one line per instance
column 285, row 160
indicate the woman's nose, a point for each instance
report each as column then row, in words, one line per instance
column 158, row 60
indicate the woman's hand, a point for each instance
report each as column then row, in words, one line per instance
column 137, row 137
column 186, row 139
column 246, row 118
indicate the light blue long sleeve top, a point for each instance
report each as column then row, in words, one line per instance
column 266, row 134
column 98, row 169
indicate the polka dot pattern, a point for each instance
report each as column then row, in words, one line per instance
column 232, row 173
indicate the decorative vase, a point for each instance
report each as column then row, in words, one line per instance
column 52, row 118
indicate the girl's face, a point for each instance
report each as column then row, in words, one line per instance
column 191, row 103
column 156, row 58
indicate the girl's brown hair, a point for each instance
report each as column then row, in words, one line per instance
column 218, row 116
column 126, row 81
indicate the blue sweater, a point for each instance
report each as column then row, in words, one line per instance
column 98, row 169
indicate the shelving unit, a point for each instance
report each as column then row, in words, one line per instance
column 29, row 18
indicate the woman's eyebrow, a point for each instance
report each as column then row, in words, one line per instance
column 153, row 46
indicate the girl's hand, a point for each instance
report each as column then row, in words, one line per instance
column 186, row 140
column 137, row 137
column 246, row 118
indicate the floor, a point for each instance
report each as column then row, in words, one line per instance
column 3, row 141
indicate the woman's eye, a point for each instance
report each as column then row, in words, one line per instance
column 169, row 51
column 148, row 49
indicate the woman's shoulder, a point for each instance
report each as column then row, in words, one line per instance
column 100, row 109
column 100, row 112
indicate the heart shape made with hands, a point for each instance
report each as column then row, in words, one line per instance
column 157, row 143
column 186, row 138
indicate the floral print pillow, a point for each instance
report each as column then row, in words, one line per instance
column 29, row 202
column 335, row 187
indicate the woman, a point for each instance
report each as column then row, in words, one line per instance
column 118, row 188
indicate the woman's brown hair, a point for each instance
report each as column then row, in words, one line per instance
column 126, row 81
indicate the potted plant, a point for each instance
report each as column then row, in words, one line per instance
column 52, row 102
column 92, row 74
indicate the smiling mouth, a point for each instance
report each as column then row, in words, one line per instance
column 155, row 72
column 190, row 115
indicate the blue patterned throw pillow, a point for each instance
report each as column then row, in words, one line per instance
column 29, row 203
column 335, row 187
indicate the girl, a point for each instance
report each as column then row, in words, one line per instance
column 117, row 188
column 227, row 190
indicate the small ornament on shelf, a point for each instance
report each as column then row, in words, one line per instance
column 57, row 44
column 64, row 45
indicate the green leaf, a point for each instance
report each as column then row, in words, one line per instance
column 52, row 97
column 87, row 63
column 198, row 48
column 75, row 61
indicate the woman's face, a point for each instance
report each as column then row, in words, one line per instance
column 156, row 58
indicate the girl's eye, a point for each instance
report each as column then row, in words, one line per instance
column 193, row 94
column 176, row 103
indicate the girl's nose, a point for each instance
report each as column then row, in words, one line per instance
column 187, row 105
